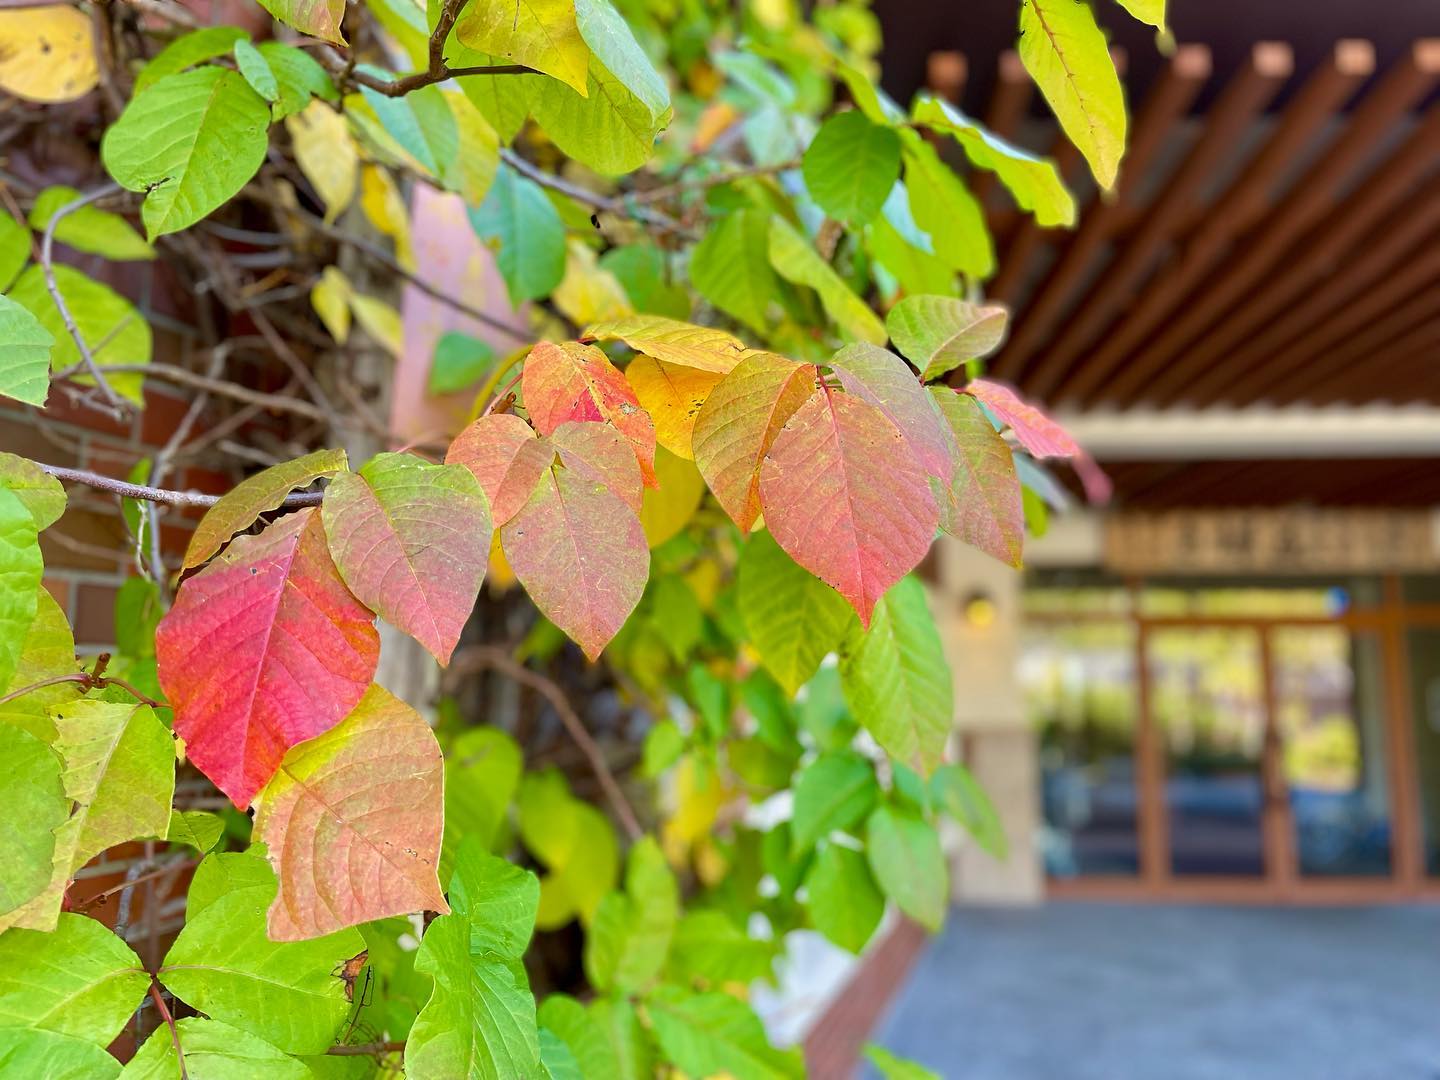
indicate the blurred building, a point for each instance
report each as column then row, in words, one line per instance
column 1225, row 684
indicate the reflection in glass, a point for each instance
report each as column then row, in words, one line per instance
column 1423, row 654
column 1329, row 710
column 1078, row 682
column 1208, row 704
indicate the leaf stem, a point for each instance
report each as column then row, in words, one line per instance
column 159, row 1000
column 488, row 387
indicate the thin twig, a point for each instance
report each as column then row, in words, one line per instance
column 623, row 207
column 89, row 680
column 159, row 1000
column 169, row 868
column 478, row 657
column 220, row 387
column 366, row 1049
column 705, row 183
column 161, row 495
column 46, row 268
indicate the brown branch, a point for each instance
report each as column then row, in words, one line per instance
column 169, row 868
column 705, row 183
column 46, row 268
column 621, row 207
column 161, row 495
column 220, row 387
column 366, row 1049
column 474, row 658
column 90, row 680
column 159, row 1000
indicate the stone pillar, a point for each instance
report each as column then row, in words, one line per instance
column 977, row 606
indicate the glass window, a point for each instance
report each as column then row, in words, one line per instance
column 1079, row 687
column 1257, row 598
column 1424, row 660
column 1208, row 704
column 1329, row 708
column 1421, row 589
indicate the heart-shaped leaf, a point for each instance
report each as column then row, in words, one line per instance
column 981, row 504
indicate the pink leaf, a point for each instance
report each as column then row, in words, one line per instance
column 846, row 499
column 881, row 378
column 982, row 503
column 1039, row 434
column 572, row 381
column 487, row 447
column 412, row 541
column 600, row 454
column 264, row 648
column 738, row 423
column 352, row 822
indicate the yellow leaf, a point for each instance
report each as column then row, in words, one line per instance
column 541, row 34
column 500, row 577
column 331, row 300
column 704, row 579
column 380, row 321
column 666, row 509
column 699, row 795
column 586, row 293
column 674, row 341
column 672, row 395
column 326, row 154
column 714, row 122
column 47, row 54
column 385, row 207
column 473, row 170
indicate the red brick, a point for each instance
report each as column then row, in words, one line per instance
column 113, row 461
column 164, row 411
column 92, row 528
column 59, row 588
column 61, row 409
column 94, row 621
column 21, row 435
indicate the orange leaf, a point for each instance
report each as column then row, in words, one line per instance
column 264, row 648
column 739, row 421
column 352, row 822
column 846, row 498
column 572, row 381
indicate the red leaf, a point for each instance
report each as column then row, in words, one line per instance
column 412, row 541
column 881, row 378
column 1039, row 434
column 982, row 503
column 264, row 648
column 488, row 447
column 846, row 499
column 600, row 454
column 571, row 381
column 738, row 423
column 581, row 554
column 352, row 822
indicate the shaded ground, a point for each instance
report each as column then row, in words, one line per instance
column 1076, row 991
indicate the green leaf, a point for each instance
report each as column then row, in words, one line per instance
column 1034, row 182
column 626, row 1039
column 523, row 228
column 225, row 966
column 795, row 260
column 905, row 856
column 298, row 78
column 41, row 493
column 256, row 69
column 905, row 250
column 197, row 828
column 187, row 51
column 730, row 267
column 89, row 229
column 851, row 165
column 575, row 841
column 420, row 122
column 896, row 1068
column 641, row 271
column 20, row 569
column 215, row 139
column 664, row 743
column 940, row 333
column 110, row 325
column 794, row 619
column 943, row 206
column 877, row 105
column 318, row 18
column 709, row 946
column 1147, row 11
column 28, row 1052
column 835, row 791
column 629, row 938
column 138, row 608
column 567, row 1020
column 957, row 793
column 48, row 650
column 459, row 362
column 540, row 34
column 1066, row 54
column 982, row 504
column 213, row 1051
column 709, row 1033
column 897, row 681
column 844, row 902
column 81, row 980
column 480, row 1019
column 557, row 1059
column 24, row 354
column 482, row 772
column 33, row 794
column 14, row 249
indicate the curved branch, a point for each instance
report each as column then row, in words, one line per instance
column 474, row 658
column 622, row 207
column 161, row 495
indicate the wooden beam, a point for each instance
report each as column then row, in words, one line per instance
column 1309, row 198
column 1416, row 351
column 1208, row 364
column 1267, row 357
column 1347, row 66
column 1165, row 106
column 1270, row 64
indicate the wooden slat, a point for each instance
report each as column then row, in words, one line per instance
column 1348, row 64
column 1411, row 361
column 1310, row 197
column 1164, row 106
column 1265, row 358
column 1207, row 365
column 1270, row 64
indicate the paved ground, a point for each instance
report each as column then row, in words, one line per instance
column 1077, row 991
